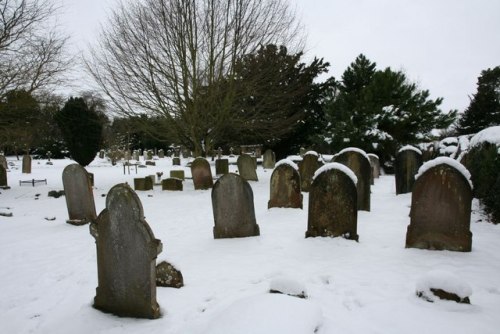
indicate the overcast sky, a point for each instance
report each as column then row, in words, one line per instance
column 441, row 44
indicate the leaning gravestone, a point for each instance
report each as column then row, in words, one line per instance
column 375, row 164
column 79, row 195
column 408, row 161
column 359, row 162
column 3, row 162
column 269, row 159
column 247, row 167
column 233, row 208
column 333, row 203
column 202, row 174
column 3, row 176
column 221, row 166
column 126, row 257
column 26, row 164
column 307, row 168
column 441, row 207
column 285, row 186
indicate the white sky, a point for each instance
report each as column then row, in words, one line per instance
column 441, row 44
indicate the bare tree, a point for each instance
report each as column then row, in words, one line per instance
column 176, row 58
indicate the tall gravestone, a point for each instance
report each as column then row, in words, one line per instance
column 408, row 161
column 307, row 168
column 3, row 176
column 285, row 186
column 26, row 164
column 247, row 167
column 441, row 207
column 3, row 162
column 126, row 257
column 333, row 203
column 359, row 162
column 233, row 208
column 375, row 164
column 79, row 195
column 221, row 166
column 202, row 174
column 269, row 159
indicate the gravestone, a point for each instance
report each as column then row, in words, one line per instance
column 246, row 167
column 176, row 161
column 408, row 161
column 26, row 164
column 3, row 162
column 233, row 208
column 143, row 183
column 149, row 155
column 172, row 184
column 150, row 163
column 285, row 186
column 441, row 207
column 179, row 174
column 3, row 176
column 375, row 164
column 101, row 154
column 79, row 195
column 221, row 166
column 161, row 153
column 359, row 162
column 126, row 257
column 135, row 155
column 269, row 159
column 202, row 174
column 307, row 168
column 333, row 203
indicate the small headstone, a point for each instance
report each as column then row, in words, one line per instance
column 307, row 168
column 269, row 159
column 135, row 155
column 179, row 174
column 143, row 183
column 233, row 208
column 375, row 164
column 172, row 184
column 168, row 276
column 202, row 174
column 219, row 153
column 221, row 166
column 161, row 153
column 26, row 164
column 302, row 151
column 3, row 176
column 150, row 163
column 246, row 167
column 285, row 186
column 126, row 257
column 176, row 161
column 441, row 207
column 149, row 155
column 101, row 154
column 408, row 161
column 3, row 162
column 79, row 195
column 333, row 203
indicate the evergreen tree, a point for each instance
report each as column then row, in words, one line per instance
column 81, row 129
column 484, row 108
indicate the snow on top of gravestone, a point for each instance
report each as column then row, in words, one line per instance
column 354, row 149
column 410, row 147
column 489, row 135
column 372, row 155
column 312, row 152
column 444, row 280
column 287, row 162
column 336, row 165
column 463, row 142
column 445, row 160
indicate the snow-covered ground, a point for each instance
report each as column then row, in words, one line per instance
column 49, row 272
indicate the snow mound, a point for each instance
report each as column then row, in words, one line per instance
column 336, row 165
column 287, row 162
column 409, row 147
column 489, row 135
column 445, row 160
column 443, row 280
column 288, row 287
column 270, row 313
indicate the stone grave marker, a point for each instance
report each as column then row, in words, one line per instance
column 3, row 176
column 333, row 203
column 143, row 183
column 307, row 168
column 375, row 164
column 285, row 186
column 3, row 162
column 161, row 153
column 179, row 174
column 26, row 164
column 247, row 167
column 126, row 257
column 149, row 155
column 233, row 208
column 135, row 155
column 202, row 174
column 221, row 166
column 441, row 207
column 79, row 196
column 359, row 162
column 269, row 159
column 176, row 161
column 101, row 154
column 172, row 184
column 408, row 161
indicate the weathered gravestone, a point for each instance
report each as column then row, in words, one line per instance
column 143, row 183
column 202, row 174
column 221, row 166
column 307, row 168
column 26, row 164
column 269, row 159
column 172, row 184
column 441, row 207
column 126, row 257
column 247, row 167
column 149, row 155
column 176, row 161
column 101, row 154
column 375, row 164
column 285, row 186
column 3, row 176
column 359, row 162
column 333, row 203
column 233, row 208
column 79, row 195
column 179, row 174
column 161, row 153
column 3, row 162
column 135, row 155
column 408, row 161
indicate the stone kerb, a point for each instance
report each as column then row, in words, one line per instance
column 333, row 203
column 285, row 186
column 233, row 208
column 408, row 161
column 202, row 174
column 26, row 164
column 441, row 208
column 307, row 168
column 247, row 167
column 79, row 195
column 126, row 257
column 269, row 159
column 359, row 162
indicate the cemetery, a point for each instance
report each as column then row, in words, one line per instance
column 127, row 254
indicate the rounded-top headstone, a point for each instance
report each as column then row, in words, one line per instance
column 202, row 174
column 269, row 159
column 79, row 195
column 307, row 168
column 408, row 161
column 285, row 186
